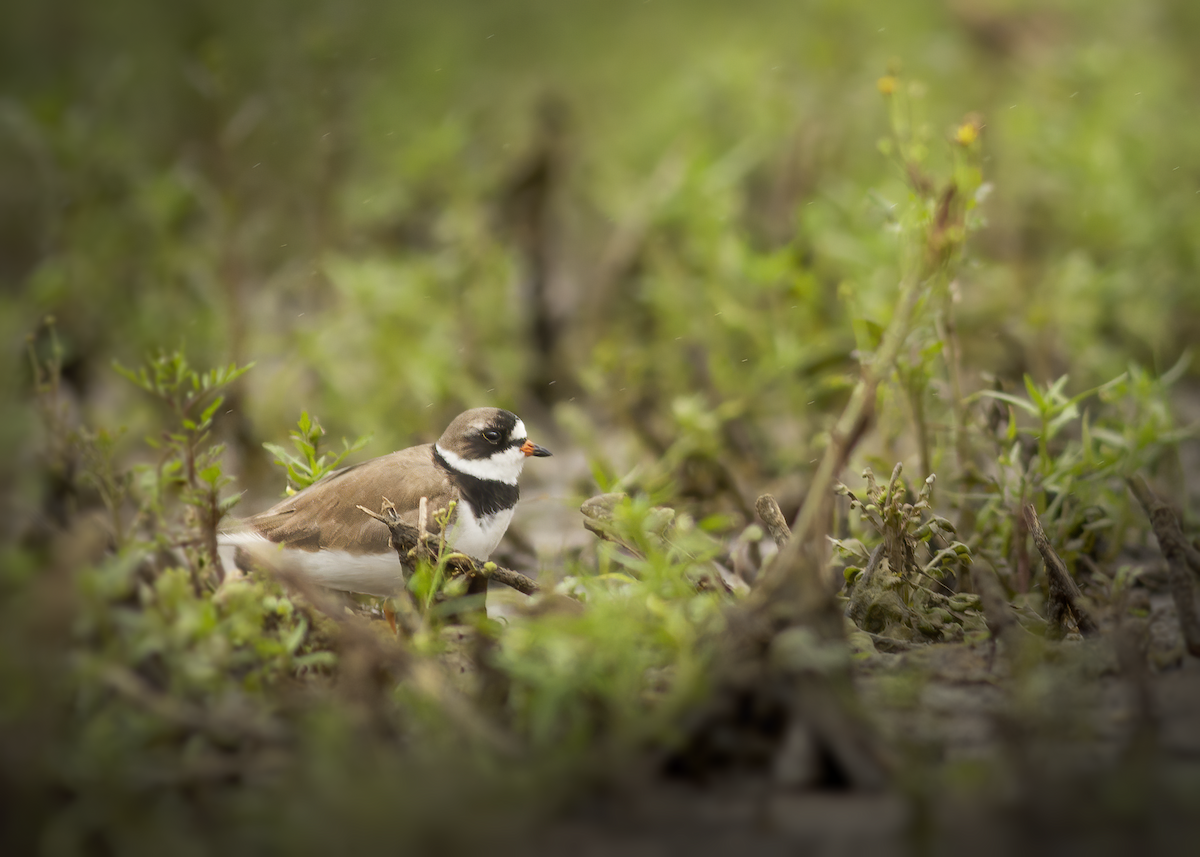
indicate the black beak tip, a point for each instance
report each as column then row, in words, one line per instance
column 531, row 448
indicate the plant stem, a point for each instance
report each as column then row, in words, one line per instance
column 845, row 435
column 948, row 332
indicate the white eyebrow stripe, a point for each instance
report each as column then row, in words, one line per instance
column 503, row 466
column 518, row 432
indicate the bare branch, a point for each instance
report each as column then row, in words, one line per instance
column 1065, row 597
column 407, row 540
column 1180, row 557
column 771, row 515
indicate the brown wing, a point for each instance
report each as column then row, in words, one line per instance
column 325, row 514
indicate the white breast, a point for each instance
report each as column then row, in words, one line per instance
column 478, row 537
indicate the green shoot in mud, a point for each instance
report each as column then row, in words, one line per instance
column 892, row 590
column 1070, row 461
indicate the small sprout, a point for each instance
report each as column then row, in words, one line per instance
column 310, row 464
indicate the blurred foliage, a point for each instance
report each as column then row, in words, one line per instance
column 673, row 230
column 343, row 193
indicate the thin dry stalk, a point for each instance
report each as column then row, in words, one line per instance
column 1181, row 557
column 1065, row 597
column 791, row 567
column 407, row 539
column 772, row 517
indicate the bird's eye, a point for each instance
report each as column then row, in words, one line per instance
column 492, row 436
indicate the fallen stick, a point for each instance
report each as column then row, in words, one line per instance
column 1065, row 597
column 1180, row 557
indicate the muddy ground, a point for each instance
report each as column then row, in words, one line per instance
column 990, row 755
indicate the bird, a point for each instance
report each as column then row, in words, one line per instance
column 333, row 543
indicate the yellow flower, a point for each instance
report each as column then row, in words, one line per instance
column 887, row 84
column 967, row 133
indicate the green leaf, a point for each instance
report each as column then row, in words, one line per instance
column 295, row 637
column 1110, row 437
column 133, row 377
column 1029, row 407
column 1035, row 395
column 210, row 474
column 852, row 548
column 1177, row 371
column 1054, row 392
column 281, row 455
column 1069, row 414
column 211, row 409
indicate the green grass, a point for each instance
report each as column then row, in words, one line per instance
column 344, row 195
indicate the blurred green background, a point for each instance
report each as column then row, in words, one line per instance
column 644, row 208
column 660, row 231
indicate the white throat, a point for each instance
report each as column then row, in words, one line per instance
column 478, row 537
column 502, row 466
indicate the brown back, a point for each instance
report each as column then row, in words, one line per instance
column 325, row 514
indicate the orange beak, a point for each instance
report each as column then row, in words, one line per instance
column 531, row 448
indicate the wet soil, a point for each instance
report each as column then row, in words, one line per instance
column 990, row 756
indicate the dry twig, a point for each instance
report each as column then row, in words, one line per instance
column 1180, row 557
column 793, row 592
column 771, row 515
column 407, row 539
column 1065, row 597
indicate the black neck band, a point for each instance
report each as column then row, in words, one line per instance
column 485, row 496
